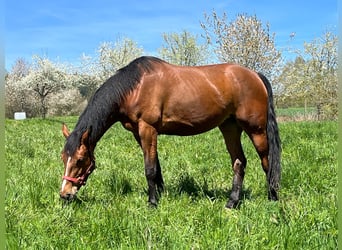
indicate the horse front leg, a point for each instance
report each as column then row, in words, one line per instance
column 148, row 141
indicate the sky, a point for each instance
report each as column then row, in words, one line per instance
column 63, row 30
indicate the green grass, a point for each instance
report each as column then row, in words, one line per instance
column 112, row 211
column 301, row 113
column 295, row 111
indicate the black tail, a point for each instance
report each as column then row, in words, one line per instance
column 274, row 144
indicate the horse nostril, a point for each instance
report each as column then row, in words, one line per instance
column 67, row 196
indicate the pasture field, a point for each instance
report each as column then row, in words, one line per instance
column 297, row 114
column 112, row 213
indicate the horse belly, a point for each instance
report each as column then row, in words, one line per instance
column 192, row 122
column 182, row 129
column 195, row 111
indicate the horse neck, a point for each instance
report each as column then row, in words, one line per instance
column 98, row 121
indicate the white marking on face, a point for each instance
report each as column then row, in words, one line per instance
column 74, row 190
column 66, row 173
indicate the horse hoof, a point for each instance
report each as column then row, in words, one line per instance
column 232, row 204
column 152, row 205
column 272, row 195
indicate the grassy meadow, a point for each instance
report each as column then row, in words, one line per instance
column 112, row 213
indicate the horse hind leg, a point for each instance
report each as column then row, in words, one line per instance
column 260, row 142
column 231, row 132
column 159, row 178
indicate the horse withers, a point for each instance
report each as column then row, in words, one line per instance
column 151, row 97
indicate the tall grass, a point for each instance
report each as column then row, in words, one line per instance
column 112, row 213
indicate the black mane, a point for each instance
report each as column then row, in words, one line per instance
column 102, row 108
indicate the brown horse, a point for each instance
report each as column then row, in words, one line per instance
column 152, row 97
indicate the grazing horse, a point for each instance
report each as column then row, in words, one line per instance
column 151, row 97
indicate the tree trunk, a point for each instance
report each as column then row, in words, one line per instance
column 43, row 107
column 319, row 111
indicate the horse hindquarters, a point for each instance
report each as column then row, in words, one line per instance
column 258, row 120
column 261, row 126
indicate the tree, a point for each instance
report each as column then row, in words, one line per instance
column 66, row 102
column 45, row 79
column 87, row 84
column 110, row 56
column 182, row 49
column 292, row 76
column 16, row 96
column 245, row 41
column 61, row 88
column 313, row 75
column 113, row 56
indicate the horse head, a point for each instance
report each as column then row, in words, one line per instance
column 78, row 161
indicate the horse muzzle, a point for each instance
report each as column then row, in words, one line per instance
column 68, row 195
column 71, row 185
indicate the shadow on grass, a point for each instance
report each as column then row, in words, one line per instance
column 76, row 201
column 118, row 184
column 187, row 184
column 184, row 184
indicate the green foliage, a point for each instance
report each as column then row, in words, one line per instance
column 45, row 79
column 16, row 99
column 183, row 49
column 113, row 56
column 47, row 88
column 312, row 77
column 244, row 40
column 112, row 211
column 41, row 89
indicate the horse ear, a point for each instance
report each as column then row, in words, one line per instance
column 85, row 137
column 65, row 131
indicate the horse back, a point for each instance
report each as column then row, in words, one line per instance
column 190, row 100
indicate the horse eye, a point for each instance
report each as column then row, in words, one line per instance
column 80, row 161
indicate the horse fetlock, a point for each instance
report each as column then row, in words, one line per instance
column 232, row 204
column 272, row 195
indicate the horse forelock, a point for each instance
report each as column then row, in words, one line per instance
column 72, row 143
